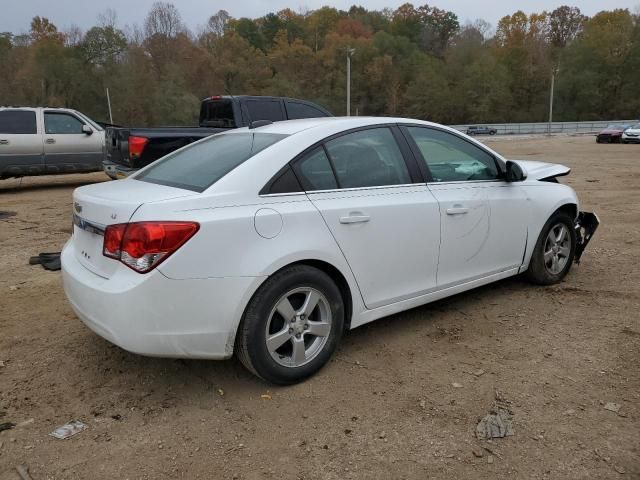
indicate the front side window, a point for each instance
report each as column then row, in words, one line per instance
column 201, row 164
column 61, row 123
column 451, row 158
column 17, row 122
column 368, row 158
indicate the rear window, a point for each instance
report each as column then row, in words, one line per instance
column 265, row 110
column 217, row 113
column 202, row 164
column 17, row 122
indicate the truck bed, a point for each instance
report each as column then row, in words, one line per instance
column 160, row 141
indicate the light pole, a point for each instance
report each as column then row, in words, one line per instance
column 350, row 51
column 554, row 71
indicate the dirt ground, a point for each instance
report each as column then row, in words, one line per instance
column 385, row 407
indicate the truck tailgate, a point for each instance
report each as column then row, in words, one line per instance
column 113, row 146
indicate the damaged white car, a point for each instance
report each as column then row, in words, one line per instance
column 270, row 241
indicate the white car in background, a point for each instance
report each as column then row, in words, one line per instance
column 631, row 134
column 270, row 241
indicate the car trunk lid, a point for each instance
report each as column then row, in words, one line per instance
column 97, row 206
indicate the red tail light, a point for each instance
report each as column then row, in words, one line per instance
column 136, row 146
column 142, row 246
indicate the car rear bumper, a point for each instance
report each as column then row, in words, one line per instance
column 158, row 316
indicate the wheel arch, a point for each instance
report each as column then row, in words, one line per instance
column 334, row 273
column 567, row 205
column 339, row 279
column 569, row 208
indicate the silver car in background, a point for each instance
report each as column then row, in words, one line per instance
column 48, row 141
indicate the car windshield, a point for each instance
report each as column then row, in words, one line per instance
column 201, row 164
column 635, row 127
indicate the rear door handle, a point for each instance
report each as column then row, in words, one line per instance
column 457, row 210
column 4, row 142
column 355, row 219
column 50, row 140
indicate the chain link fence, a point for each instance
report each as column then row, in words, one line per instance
column 545, row 127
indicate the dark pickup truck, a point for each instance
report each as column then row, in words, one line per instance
column 129, row 149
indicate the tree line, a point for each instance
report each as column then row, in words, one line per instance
column 412, row 61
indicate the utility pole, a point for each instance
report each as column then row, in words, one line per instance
column 350, row 51
column 109, row 105
column 553, row 81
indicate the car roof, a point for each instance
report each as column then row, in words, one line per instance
column 330, row 125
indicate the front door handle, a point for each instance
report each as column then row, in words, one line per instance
column 50, row 140
column 355, row 219
column 4, row 142
column 457, row 210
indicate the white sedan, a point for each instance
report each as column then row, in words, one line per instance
column 271, row 241
column 631, row 134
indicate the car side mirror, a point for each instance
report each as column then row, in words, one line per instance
column 515, row 173
column 87, row 129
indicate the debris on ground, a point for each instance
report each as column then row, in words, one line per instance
column 498, row 422
column 2, row 363
column 265, row 396
column 6, row 426
column 489, row 459
column 23, row 471
column 619, row 469
column 456, row 385
column 6, row 214
column 477, row 453
column 612, row 407
column 48, row 260
column 26, row 422
column 221, row 392
column 479, row 373
column 68, row 430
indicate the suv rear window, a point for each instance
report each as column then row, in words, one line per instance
column 17, row 122
column 217, row 113
column 201, row 164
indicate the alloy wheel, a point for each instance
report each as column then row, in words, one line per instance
column 557, row 248
column 298, row 327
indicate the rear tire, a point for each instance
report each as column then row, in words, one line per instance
column 291, row 326
column 554, row 251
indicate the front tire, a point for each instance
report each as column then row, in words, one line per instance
column 291, row 326
column 554, row 251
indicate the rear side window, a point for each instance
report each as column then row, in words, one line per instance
column 297, row 110
column 368, row 158
column 217, row 113
column 200, row 165
column 315, row 172
column 17, row 122
column 265, row 110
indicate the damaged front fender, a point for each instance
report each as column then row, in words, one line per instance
column 586, row 225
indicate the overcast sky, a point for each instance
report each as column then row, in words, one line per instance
column 15, row 16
